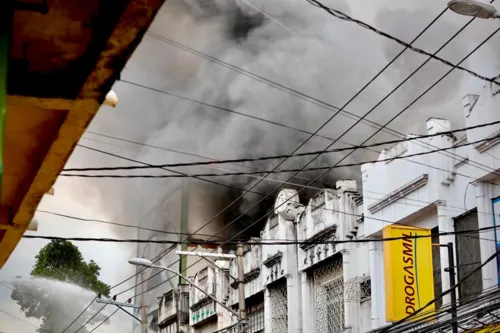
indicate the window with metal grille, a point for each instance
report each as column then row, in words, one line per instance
column 256, row 315
column 328, row 282
column 365, row 288
column 279, row 306
column 468, row 255
column 436, row 266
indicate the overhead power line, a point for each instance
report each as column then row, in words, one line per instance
column 174, row 171
column 262, row 242
column 392, row 119
column 265, row 158
column 305, row 178
column 417, row 312
column 90, row 319
column 106, row 319
column 264, row 80
column 246, row 173
column 343, row 16
column 24, row 321
column 345, row 105
column 310, row 98
column 116, row 223
column 81, row 314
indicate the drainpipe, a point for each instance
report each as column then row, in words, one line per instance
column 6, row 15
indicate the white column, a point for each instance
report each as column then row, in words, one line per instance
column 307, row 304
column 445, row 224
column 293, row 299
column 485, row 219
column 293, row 282
column 268, row 320
column 376, row 302
column 346, row 270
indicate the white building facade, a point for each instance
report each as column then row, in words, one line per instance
column 321, row 283
column 455, row 189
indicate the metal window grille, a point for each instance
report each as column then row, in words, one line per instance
column 365, row 290
column 468, row 256
column 256, row 318
column 357, row 290
column 279, row 307
column 328, row 282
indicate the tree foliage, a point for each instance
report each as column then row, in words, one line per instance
column 59, row 260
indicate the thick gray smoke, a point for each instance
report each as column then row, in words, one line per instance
column 295, row 44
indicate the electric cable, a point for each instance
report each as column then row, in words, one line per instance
column 340, row 15
column 294, row 92
column 430, row 320
column 116, row 285
column 180, row 174
column 116, row 223
column 355, row 96
column 262, row 242
column 265, row 158
column 399, row 322
column 246, row 173
column 397, row 115
column 24, row 321
column 88, row 321
column 81, row 313
column 331, row 185
column 106, row 319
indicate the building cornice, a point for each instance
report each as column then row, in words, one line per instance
column 201, row 303
column 249, row 276
column 490, row 141
column 273, row 259
column 399, row 193
column 321, row 236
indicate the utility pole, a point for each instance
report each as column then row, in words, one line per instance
column 144, row 314
column 241, row 286
column 453, row 292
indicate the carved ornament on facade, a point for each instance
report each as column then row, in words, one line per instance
column 274, row 259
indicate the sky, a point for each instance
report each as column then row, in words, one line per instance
column 288, row 41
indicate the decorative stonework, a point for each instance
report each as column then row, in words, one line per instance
column 274, row 259
column 491, row 140
column 201, row 303
column 322, row 236
column 248, row 277
column 399, row 193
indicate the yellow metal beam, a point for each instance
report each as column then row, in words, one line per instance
column 129, row 31
column 40, row 103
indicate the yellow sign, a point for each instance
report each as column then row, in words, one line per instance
column 409, row 281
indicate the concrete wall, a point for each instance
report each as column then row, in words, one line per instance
column 458, row 180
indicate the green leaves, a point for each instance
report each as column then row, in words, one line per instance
column 59, row 260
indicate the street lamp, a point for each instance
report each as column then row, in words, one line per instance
column 473, row 8
column 147, row 263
